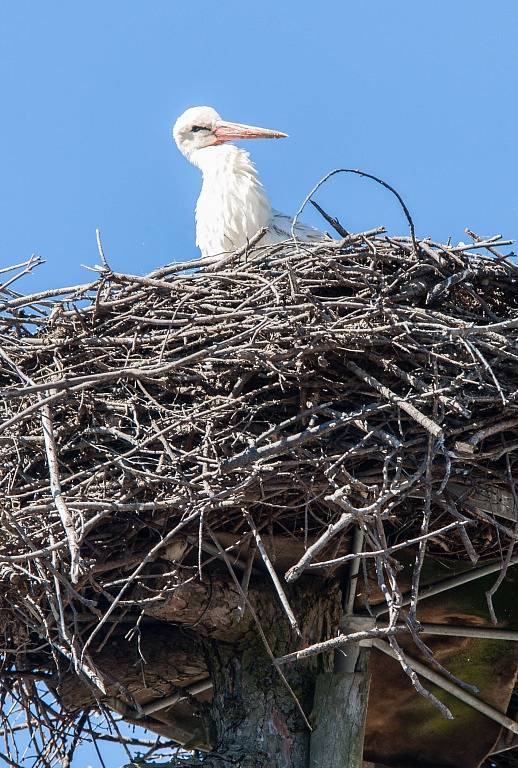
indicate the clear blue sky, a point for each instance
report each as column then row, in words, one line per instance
column 423, row 94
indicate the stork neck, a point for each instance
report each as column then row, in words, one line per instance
column 230, row 171
column 223, row 159
column 232, row 205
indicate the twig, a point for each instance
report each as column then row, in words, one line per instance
column 345, row 519
column 366, row 176
column 55, row 487
column 275, row 579
column 412, row 411
column 389, row 550
column 340, row 641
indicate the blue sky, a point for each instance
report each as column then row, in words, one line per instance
column 423, row 94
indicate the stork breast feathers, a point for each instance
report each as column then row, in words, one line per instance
column 232, row 205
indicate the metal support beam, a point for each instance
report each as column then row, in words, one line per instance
column 457, row 630
column 354, row 570
column 446, row 584
column 169, row 701
column 346, row 660
column 455, row 690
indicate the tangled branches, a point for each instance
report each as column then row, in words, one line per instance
column 296, row 392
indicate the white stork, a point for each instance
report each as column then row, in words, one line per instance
column 232, row 205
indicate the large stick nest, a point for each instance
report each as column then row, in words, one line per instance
column 370, row 382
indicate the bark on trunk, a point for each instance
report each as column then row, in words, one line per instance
column 256, row 719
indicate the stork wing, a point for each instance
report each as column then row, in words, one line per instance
column 280, row 227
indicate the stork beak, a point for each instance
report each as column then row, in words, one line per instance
column 233, row 131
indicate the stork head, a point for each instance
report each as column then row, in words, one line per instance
column 201, row 127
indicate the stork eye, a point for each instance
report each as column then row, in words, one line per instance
column 197, row 128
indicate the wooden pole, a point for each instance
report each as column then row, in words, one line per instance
column 341, row 697
column 339, row 711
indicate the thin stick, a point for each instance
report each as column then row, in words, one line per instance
column 345, row 519
column 412, row 411
column 389, row 550
column 65, row 514
column 340, row 641
column 271, row 570
column 365, row 175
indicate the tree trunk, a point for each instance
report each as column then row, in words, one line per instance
column 254, row 719
column 258, row 718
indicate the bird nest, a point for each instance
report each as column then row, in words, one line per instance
column 298, row 392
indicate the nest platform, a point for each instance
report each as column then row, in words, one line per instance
column 269, row 413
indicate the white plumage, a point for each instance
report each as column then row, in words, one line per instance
column 232, row 205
